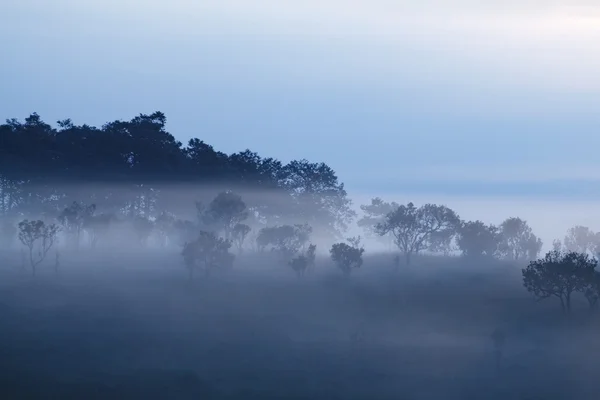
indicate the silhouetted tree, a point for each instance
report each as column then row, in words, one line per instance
column 476, row 239
column 225, row 212
column 559, row 274
column 518, row 241
column 347, row 256
column 36, row 235
column 285, row 240
column 208, row 252
column 98, row 226
column 592, row 291
column 73, row 220
column 239, row 234
column 311, row 256
column 374, row 214
column 414, row 228
column 164, row 226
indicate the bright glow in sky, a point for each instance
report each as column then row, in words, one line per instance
column 469, row 97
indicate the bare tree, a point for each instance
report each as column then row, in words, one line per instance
column 36, row 235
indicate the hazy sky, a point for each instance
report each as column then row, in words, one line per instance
column 432, row 97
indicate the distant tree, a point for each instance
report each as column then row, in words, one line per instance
column 225, row 212
column 39, row 237
column 285, row 240
column 476, row 239
column 518, row 241
column 185, row 231
column 592, row 291
column 581, row 239
column 557, row 245
column 164, row 225
column 415, row 228
column 304, row 261
column 317, row 196
column 74, row 218
column 559, row 274
column 347, row 256
column 239, row 234
column 311, row 255
column 207, row 253
column 98, row 226
column 375, row 214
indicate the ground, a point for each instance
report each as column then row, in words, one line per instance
column 115, row 325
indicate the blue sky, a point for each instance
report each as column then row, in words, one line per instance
column 477, row 99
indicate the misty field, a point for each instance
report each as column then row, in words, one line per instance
column 125, row 325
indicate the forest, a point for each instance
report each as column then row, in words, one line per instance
column 134, row 266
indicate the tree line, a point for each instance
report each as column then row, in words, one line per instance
column 89, row 186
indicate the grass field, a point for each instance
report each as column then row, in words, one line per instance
column 127, row 326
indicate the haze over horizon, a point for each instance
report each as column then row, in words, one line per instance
column 489, row 107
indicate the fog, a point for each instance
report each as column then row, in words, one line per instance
column 123, row 320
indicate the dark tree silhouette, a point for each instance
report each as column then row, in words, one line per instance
column 225, row 212
column 239, row 234
column 414, row 229
column 559, row 275
column 476, row 239
column 207, row 253
column 73, row 219
column 347, row 256
column 37, row 235
column 286, row 240
column 375, row 214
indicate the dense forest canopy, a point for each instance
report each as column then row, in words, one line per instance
column 137, row 167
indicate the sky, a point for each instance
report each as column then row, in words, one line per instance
column 482, row 104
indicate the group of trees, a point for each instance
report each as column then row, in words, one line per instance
column 88, row 186
column 439, row 229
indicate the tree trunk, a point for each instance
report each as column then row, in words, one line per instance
column 568, row 298
column 407, row 255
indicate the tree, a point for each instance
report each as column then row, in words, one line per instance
column 375, row 214
column 207, row 253
column 239, row 234
column 415, row 228
column 164, row 227
column 304, row 261
column 36, row 235
column 592, row 291
column 518, row 241
column 581, row 239
column 225, row 212
column 559, row 275
column 285, row 240
column 476, row 239
column 98, row 226
column 317, row 196
column 74, row 218
column 347, row 256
